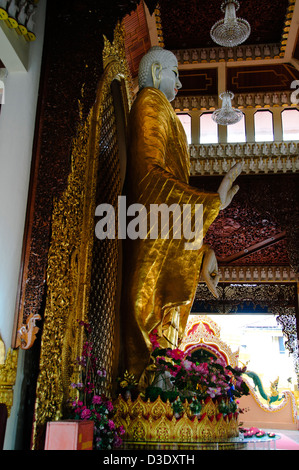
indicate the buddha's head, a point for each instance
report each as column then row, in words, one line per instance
column 159, row 69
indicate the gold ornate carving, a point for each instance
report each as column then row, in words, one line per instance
column 27, row 333
column 203, row 331
column 146, row 422
column 8, row 373
column 70, row 253
column 114, row 55
column 286, row 29
column 2, row 352
column 159, row 25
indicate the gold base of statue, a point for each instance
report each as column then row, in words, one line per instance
column 230, row 444
column 154, row 425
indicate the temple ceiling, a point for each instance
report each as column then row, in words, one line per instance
column 272, row 48
column 187, row 23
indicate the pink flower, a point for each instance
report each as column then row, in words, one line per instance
column 213, row 392
column 121, row 430
column 117, row 441
column 202, row 368
column 111, row 424
column 101, row 373
column 175, row 354
column 176, row 371
column 97, row 400
column 109, row 406
column 153, row 339
column 187, row 364
column 77, row 403
column 86, row 414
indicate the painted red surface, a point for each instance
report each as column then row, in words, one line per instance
column 69, row 435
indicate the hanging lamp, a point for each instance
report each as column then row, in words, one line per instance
column 230, row 31
column 227, row 115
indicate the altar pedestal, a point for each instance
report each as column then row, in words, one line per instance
column 153, row 425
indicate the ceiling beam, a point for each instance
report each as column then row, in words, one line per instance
column 241, row 63
column 253, row 248
column 292, row 34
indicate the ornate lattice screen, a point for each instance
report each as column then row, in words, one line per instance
column 105, row 276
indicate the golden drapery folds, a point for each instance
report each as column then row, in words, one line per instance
column 160, row 275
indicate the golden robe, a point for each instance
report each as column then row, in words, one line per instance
column 160, row 276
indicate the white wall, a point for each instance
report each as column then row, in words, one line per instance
column 17, row 123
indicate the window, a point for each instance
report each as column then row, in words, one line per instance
column 208, row 129
column 186, row 121
column 263, row 126
column 281, row 345
column 290, row 124
column 236, row 132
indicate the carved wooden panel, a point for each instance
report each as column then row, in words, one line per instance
column 264, row 208
column 137, row 40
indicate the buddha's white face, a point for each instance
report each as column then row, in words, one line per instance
column 169, row 79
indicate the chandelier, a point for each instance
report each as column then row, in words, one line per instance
column 230, row 31
column 227, row 115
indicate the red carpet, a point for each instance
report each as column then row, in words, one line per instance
column 285, row 443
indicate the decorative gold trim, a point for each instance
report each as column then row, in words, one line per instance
column 202, row 330
column 8, row 373
column 12, row 23
column 151, row 422
column 157, row 15
column 286, row 29
column 70, row 254
column 28, row 331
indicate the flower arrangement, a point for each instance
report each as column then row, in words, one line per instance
column 93, row 405
column 255, row 432
column 194, row 378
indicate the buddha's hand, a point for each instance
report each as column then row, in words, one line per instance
column 209, row 271
column 226, row 189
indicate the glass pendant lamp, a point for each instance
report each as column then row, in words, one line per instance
column 230, row 31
